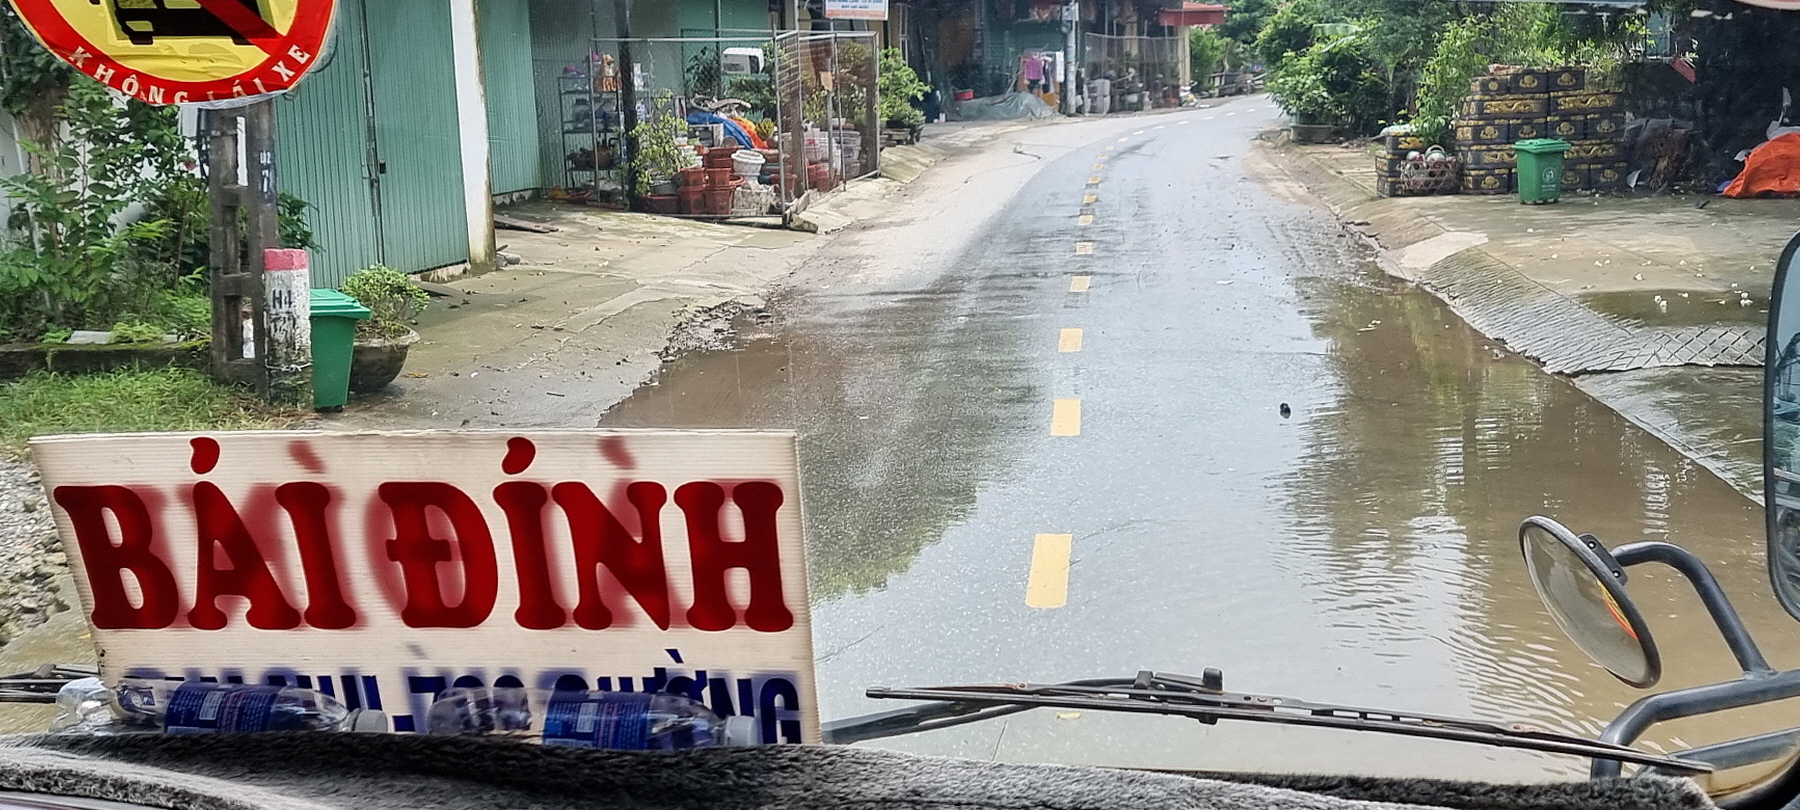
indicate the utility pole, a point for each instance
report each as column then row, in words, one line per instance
column 1071, row 18
column 260, row 334
column 628, row 117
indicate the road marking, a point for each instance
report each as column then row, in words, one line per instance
column 1065, row 418
column 1139, row 132
column 1085, row 220
column 1093, row 181
column 1184, row 122
column 1084, row 248
column 1209, row 118
column 1048, row 586
column 1080, row 283
column 1124, row 139
column 1069, row 341
column 1090, row 199
column 1109, row 149
column 1229, row 114
column 1099, row 166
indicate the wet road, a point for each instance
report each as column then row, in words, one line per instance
column 1042, row 439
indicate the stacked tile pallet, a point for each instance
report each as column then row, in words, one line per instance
column 1387, row 167
column 1517, row 104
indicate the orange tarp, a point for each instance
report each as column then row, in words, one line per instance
column 1772, row 169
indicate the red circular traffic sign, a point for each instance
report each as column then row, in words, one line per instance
column 205, row 50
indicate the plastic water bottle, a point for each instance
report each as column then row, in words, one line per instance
column 625, row 721
column 196, row 707
column 84, row 705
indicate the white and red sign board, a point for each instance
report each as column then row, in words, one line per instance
column 384, row 567
column 856, row 9
column 179, row 52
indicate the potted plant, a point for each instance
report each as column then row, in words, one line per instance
column 382, row 341
column 900, row 87
column 659, row 156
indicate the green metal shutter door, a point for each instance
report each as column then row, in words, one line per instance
column 416, row 133
column 322, row 156
column 505, row 27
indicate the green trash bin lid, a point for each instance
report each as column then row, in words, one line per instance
column 1541, row 146
column 330, row 303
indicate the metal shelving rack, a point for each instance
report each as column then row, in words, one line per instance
column 592, row 132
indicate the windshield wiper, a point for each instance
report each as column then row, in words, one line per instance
column 41, row 685
column 1205, row 700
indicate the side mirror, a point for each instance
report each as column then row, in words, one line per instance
column 1584, row 589
column 1781, row 431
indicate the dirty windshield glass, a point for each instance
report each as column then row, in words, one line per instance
column 1115, row 335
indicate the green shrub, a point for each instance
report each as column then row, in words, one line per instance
column 899, row 87
column 1332, row 82
column 393, row 298
column 137, row 332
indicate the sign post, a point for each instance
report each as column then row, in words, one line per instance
column 383, row 568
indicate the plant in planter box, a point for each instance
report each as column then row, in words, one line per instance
column 382, row 341
column 899, row 87
column 659, row 156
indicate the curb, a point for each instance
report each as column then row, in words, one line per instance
column 1498, row 301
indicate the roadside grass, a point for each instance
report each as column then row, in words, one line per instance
column 126, row 401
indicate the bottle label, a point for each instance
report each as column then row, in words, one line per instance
column 208, row 708
column 617, row 721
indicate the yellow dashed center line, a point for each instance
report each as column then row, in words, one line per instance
column 1065, row 418
column 1109, row 149
column 1094, row 181
column 1080, row 283
column 1124, row 139
column 1099, row 166
column 1048, row 586
column 1090, row 199
column 1085, row 220
column 1139, row 132
column 1069, row 341
column 1084, row 248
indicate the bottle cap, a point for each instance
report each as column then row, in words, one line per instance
column 739, row 730
column 371, row 721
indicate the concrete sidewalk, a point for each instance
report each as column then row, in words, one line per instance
column 1655, row 305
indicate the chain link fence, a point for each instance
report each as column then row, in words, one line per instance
column 825, row 86
column 1133, row 73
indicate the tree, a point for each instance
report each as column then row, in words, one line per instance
column 1245, row 20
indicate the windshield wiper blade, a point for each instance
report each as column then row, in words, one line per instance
column 41, row 684
column 1158, row 693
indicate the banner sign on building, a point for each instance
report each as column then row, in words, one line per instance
column 856, row 9
column 383, row 568
column 175, row 53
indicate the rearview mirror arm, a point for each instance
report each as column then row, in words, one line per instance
column 1731, row 626
column 1751, row 690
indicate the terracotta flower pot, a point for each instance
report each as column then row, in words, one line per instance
column 376, row 361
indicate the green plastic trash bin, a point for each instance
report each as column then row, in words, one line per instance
column 334, row 317
column 1540, row 169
